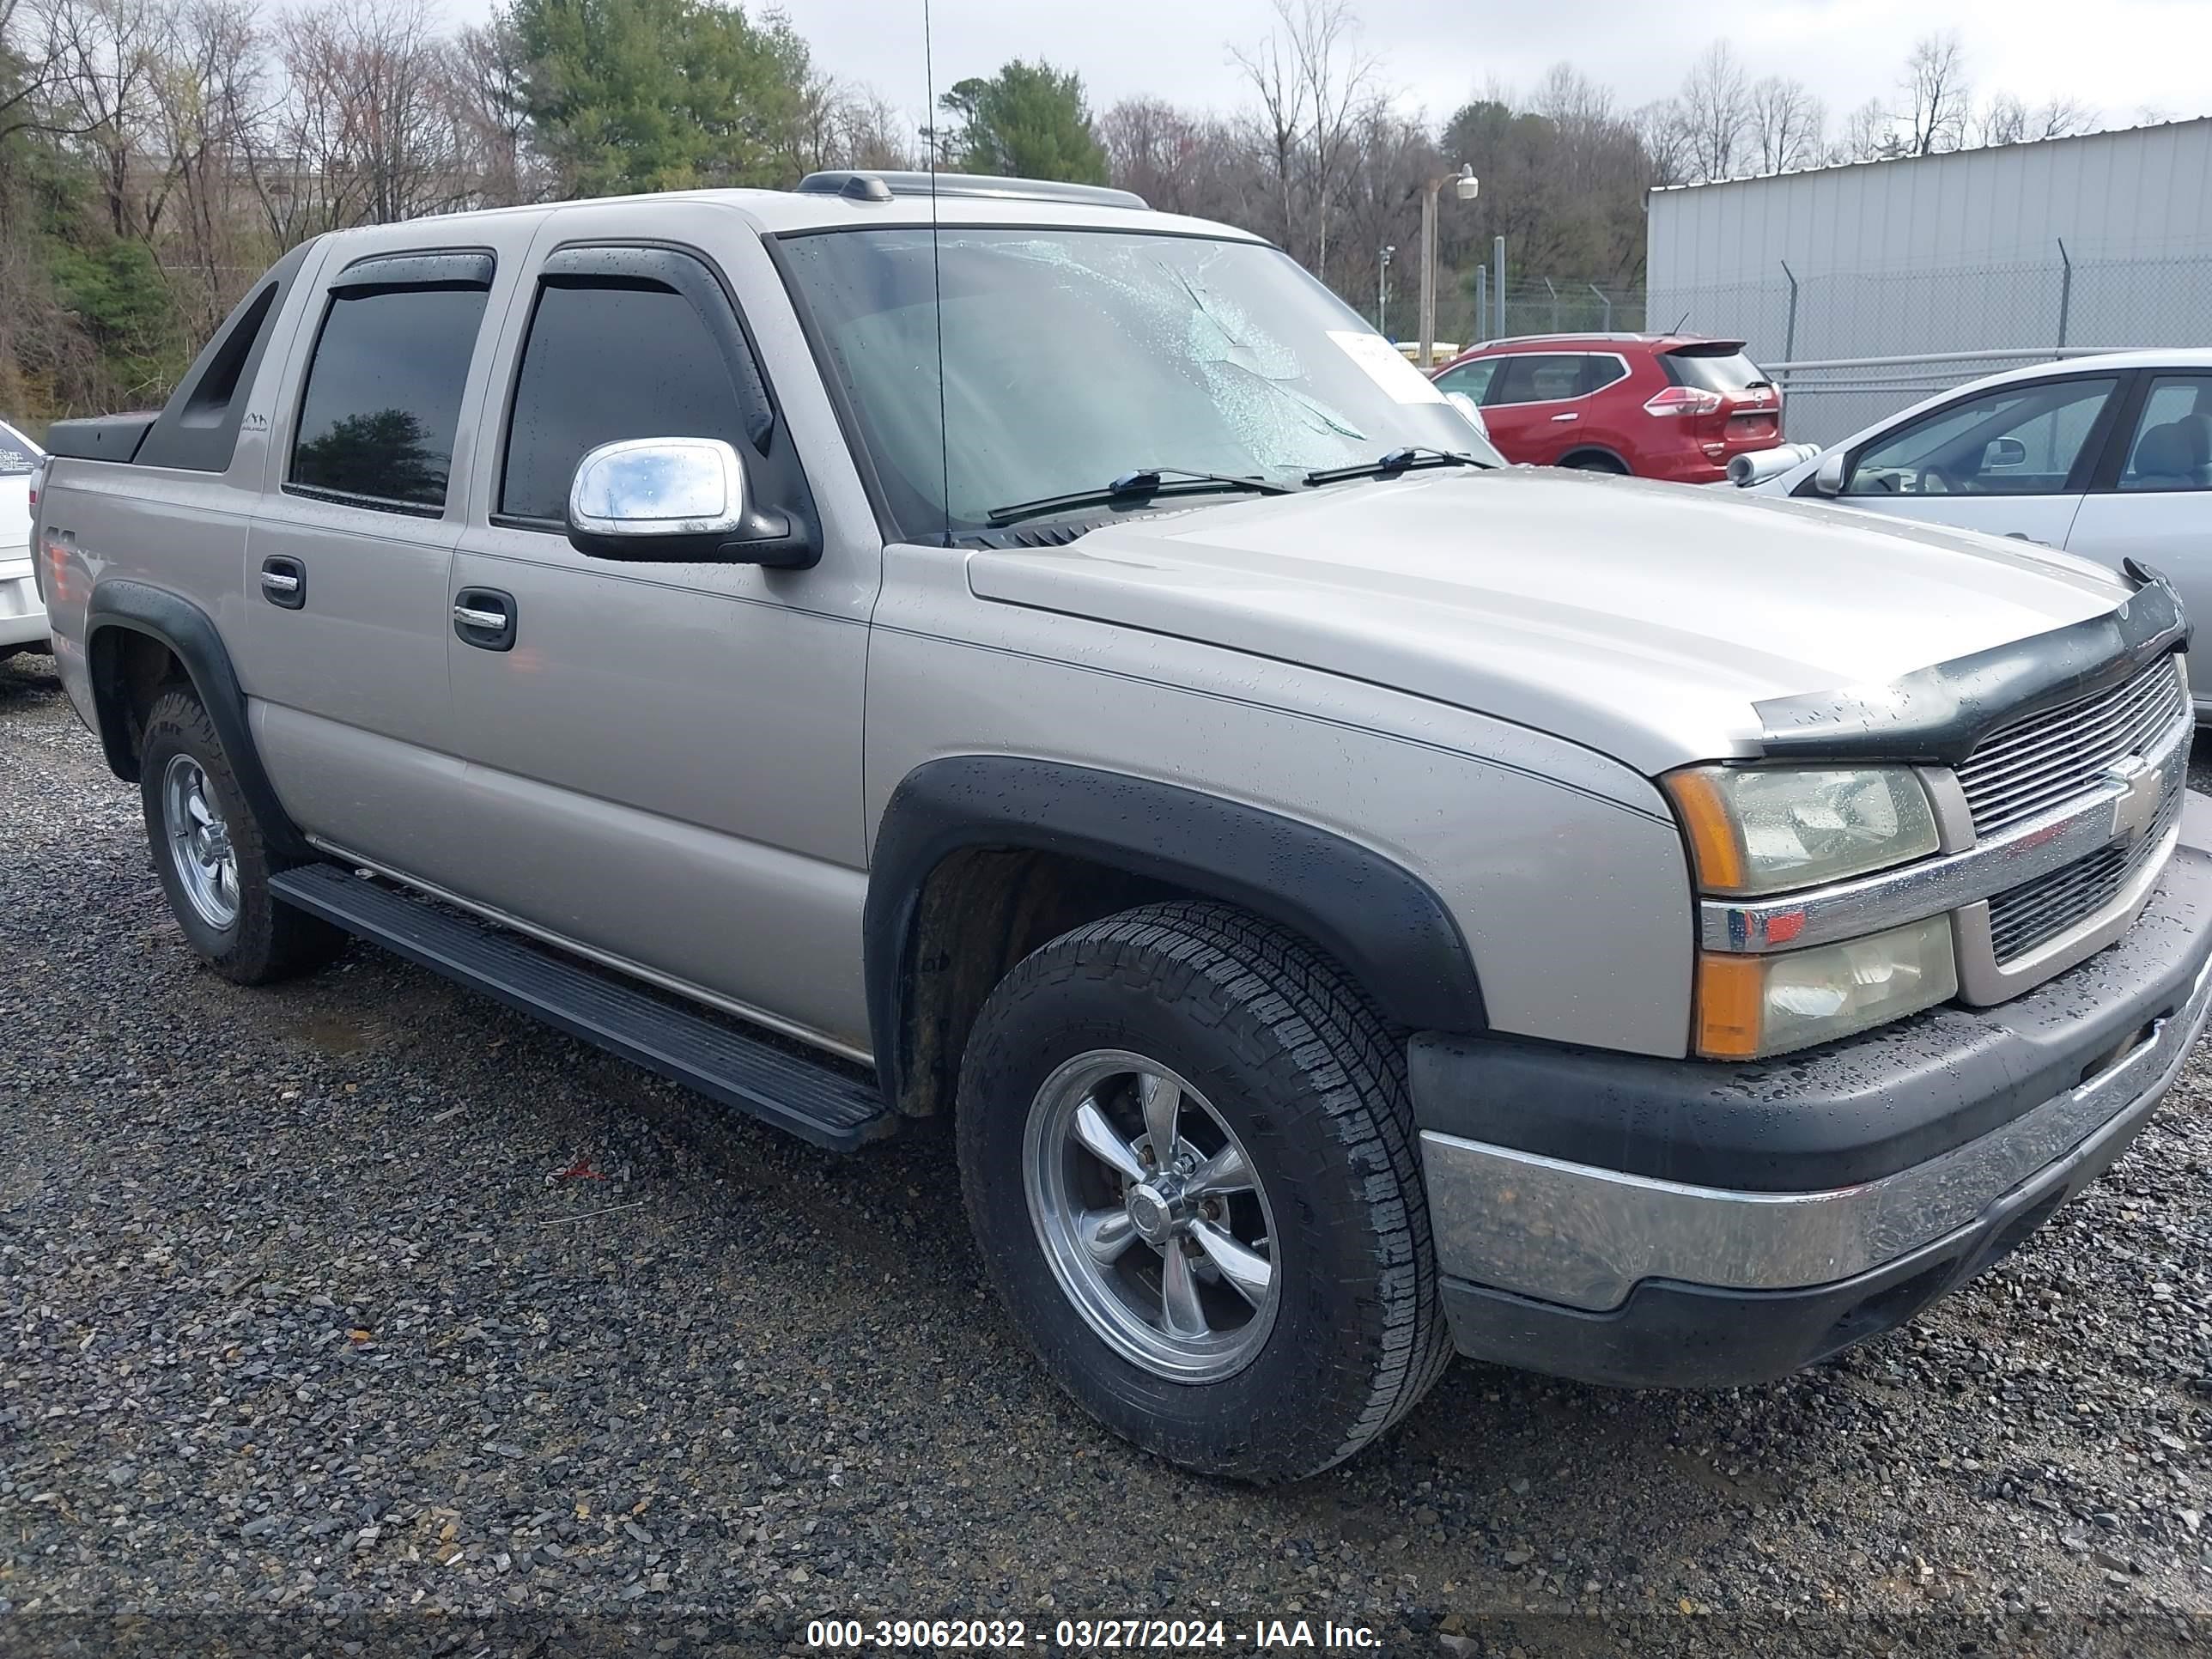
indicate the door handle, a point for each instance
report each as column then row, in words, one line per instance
column 1571, row 414
column 484, row 617
column 284, row 582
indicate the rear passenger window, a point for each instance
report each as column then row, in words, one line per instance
column 384, row 395
column 2172, row 445
column 1599, row 372
column 604, row 362
column 1543, row 378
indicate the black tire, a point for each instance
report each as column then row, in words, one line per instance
column 1594, row 464
column 266, row 940
column 1300, row 1067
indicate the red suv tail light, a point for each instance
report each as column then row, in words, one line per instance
column 1683, row 400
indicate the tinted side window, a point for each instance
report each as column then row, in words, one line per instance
column 1599, row 372
column 383, row 394
column 603, row 363
column 1541, row 378
column 2020, row 439
column 1509, row 384
column 2171, row 448
column 1472, row 379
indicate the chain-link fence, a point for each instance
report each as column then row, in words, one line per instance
column 1817, row 332
column 1467, row 312
column 1827, row 336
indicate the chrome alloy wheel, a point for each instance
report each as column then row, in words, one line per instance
column 1151, row 1215
column 199, row 842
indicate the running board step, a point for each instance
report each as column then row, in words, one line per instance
column 813, row 1100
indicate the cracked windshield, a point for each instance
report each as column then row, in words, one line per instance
column 1074, row 357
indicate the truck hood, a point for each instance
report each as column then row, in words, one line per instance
column 1641, row 619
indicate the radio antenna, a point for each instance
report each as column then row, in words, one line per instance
column 935, row 270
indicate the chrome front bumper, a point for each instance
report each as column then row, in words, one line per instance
column 1584, row 1237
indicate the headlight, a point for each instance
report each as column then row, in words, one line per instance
column 1749, row 1006
column 1763, row 829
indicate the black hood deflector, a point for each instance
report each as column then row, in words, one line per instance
column 1935, row 716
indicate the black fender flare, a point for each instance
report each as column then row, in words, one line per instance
column 122, row 605
column 1383, row 924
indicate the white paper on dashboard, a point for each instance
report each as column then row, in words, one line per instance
column 1385, row 366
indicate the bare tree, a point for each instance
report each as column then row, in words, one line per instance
column 833, row 124
column 27, row 67
column 100, row 58
column 1870, row 135
column 1570, row 101
column 1938, row 99
column 1663, row 130
column 207, row 97
column 1716, row 104
column 487, row 63
column 1786, row 122
column 2062, row 117
column 2005, row 120
column 1390, row 157
column 1155, row 149
column 1340, row 77
column 1278, row 126
column 372, row 130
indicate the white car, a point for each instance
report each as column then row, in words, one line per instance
column 23, row 617
column 2108, row 457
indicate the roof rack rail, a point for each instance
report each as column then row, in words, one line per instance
column 873, row 186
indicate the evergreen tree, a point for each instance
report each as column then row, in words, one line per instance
column 656, row 94
column 1027, row 121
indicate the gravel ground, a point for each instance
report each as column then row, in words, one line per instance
column 363, row 1315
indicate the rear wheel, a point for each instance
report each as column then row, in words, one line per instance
column 1595, row 463
column 213, row 856
column 1190, row 1160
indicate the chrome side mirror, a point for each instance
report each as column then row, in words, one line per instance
column 1828, row 477
column 679, row 501
column 658, row 491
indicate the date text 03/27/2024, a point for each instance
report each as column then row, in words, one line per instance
column 1090, row 1635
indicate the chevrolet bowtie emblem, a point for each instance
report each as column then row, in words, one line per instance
column 2138, row 800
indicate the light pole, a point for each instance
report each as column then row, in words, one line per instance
column 1464, row 187
column 1383, row 291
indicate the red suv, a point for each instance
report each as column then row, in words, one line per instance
column 1658, row 406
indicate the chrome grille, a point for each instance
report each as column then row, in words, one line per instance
column 2052, row 755
column 2040, row 910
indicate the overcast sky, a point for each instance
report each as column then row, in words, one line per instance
column 2116, row 55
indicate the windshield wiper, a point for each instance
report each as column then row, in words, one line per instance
column 1396, row 461
column 1140, row 484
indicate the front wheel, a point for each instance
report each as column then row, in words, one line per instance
column 1189, row 1159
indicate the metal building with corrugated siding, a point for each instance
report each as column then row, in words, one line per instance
column 2103, row 241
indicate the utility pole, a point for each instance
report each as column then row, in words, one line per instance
column 1383, row 291
column 1464, row 186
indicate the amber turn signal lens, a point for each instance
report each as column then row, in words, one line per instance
column 1731, row 998
column 1711, row 830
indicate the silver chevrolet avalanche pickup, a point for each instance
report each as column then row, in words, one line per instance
column 999, row 652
